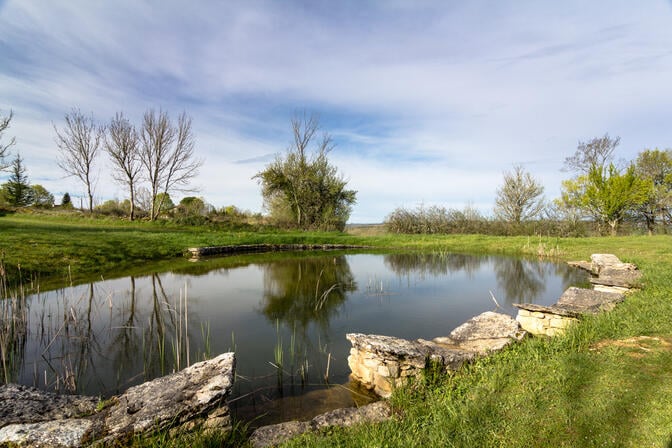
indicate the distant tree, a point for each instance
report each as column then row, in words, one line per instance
column 4, row 147
column 112, row 207
column 607, row 195
column 303, row 186
column 192, row 206
column 597, row 152
column 166, row 202
column 167, row 154
column 123, row 146
column 66, row 202
column 520, row 198
column 17, row 189
column 655, row 166
column 42, row 197
column 78, row 143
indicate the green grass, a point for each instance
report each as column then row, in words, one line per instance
column 591, row 387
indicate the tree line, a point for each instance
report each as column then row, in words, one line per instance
column 301, row 189
column 159, row 153
column 602, row 191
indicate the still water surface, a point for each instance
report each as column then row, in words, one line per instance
column 285, row 317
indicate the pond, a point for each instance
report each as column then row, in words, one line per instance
column 285, row 316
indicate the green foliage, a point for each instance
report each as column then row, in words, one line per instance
column 66, row 201
column 655, row 166
column 610, row 195
column 164, row 203
column 114, row 207
column 191, row 206
column 41, row 197
column 17, row 189
column 303, row 190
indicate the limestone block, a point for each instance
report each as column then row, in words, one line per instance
column 561, row 322
column 383, row 386
column 531, row 324
column 393, row 368
column 383, row 371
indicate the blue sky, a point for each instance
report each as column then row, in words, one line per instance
column 428, row 101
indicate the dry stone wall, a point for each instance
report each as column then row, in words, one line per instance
column 382, row 363
column 611, row 279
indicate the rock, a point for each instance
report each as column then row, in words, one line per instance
column 276, row 434
column 67, row 433
column 574, row 302
column 382, row 363
column 372, row 413
column 195, row 395
column 484, row 333
column 273, row 435
column 600, row 262
column 621, row 278
column 588, row 301
column 173, row 400
column 608, row 270
column 24, row 404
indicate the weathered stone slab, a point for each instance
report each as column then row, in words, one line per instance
column 609, row 270
column 195, row 395
column 484, row 333
column 172, row 400
column 588, row 301
column 540, row 310
column 574, row 302
column 621, row 278
column 24, row 404
column 382, row 363
column 67, row 433
column 600, row 262
column 273, row 435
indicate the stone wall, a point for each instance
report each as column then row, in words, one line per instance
column 382, row 363
column 610, row 278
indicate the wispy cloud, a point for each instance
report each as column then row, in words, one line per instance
column 427, row 101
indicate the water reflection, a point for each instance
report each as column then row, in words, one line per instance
column 433, row 264
column 300, row 292
column 286, row 317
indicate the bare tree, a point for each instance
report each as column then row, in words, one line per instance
column 520, row 198
column 167, row 154
column 598, row 152
column 4, row 148
column 78, row 143
column 123, row 146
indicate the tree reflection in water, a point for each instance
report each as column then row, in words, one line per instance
column 433, row 263
column 299, row 293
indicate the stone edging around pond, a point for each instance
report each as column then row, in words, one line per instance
column 381, row 363
column 197, row 252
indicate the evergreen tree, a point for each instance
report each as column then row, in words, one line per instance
column 18, row 190
column 66, row 202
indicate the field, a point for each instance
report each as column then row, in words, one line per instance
column 607, row 382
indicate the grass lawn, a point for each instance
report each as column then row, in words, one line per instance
column 607, row 382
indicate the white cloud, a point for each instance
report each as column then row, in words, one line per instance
column 429, row 101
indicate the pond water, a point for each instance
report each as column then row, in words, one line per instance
column 285, row 316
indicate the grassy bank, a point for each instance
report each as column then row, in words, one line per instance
column 608, row 382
